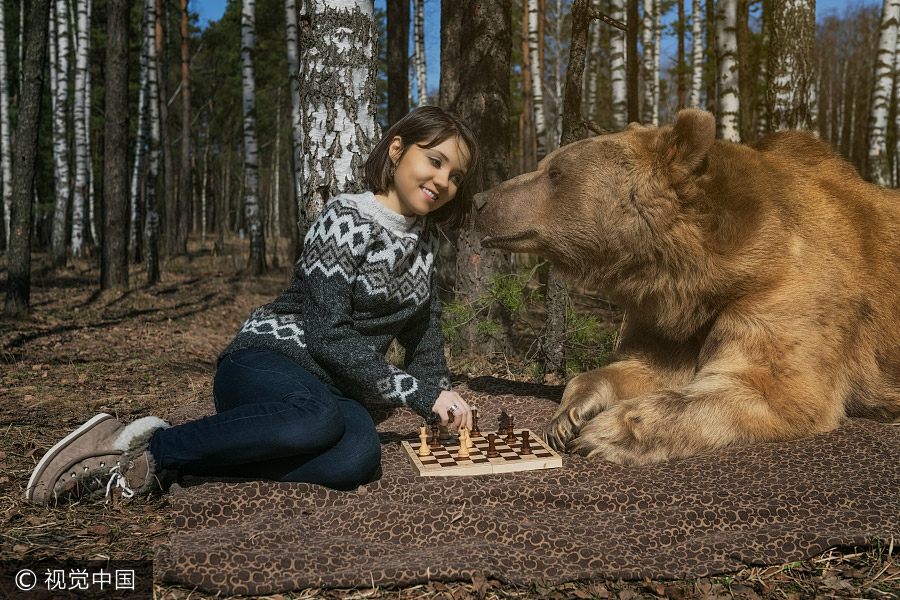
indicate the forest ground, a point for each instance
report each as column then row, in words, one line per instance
column 151, row 349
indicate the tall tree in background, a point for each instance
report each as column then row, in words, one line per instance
column 165, row 145
column 632, row 66
column 83, row 32
column 728, row 105
column 114, row 252
column 696, row 54
column 647, row 63
column 709, row 64
column 746, row 73
column 252, row 215
column 5, row 133
column 617, row 67
column 397, row 59
column 791, row 88
column 140, row 155
column 90, row 196
column 184, row 195
column 151, row 189
column 682, row 66
column 419, row 52
column 878, row 166
column 657, row 36
column 535, row 27
column 338, row 70
column 59, row 232
column 527, row 142
column 293, row 64
column 482, row 100
column 18, row 289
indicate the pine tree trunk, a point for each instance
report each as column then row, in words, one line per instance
column 681, row 89
column 647, row 63
column 527, row 139
column 276, row 178
column 710, row 62
column 151, row 199
column 632, row 64
column 537, row 78
column 762, row 77
column 5, row 133
column 696, row 54
column 293, row 62
column 617, row 67
column 338, row 67
column 140, row 156
column 184, row 195
column 790, row 93
column 593, row 68
column 114, row 257
column 419, row 52
column 878, row 167
column 58, row 241
column 257, row 261
column 746, row 72
column 657, row 34
column 18, row 289
column 204, row 186
column 397, row 59
column 81, row 142
column 90, row 196
column 165, row 145
column 728, row 104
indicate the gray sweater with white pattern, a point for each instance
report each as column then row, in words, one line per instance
column 366, row 276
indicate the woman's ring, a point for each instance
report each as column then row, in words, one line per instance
column 452, row 410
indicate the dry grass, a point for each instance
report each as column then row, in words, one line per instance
column 149, row 350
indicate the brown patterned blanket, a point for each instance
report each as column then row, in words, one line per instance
column 761, row 505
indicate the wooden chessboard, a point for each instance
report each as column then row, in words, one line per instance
column 443, row 461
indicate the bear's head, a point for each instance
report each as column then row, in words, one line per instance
column 599, row 206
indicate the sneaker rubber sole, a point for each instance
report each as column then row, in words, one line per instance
column 59, row 447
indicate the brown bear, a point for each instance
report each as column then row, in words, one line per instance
column 760, row 285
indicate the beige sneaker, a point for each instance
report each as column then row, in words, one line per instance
column 94, row 459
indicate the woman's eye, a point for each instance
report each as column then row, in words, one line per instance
column 457, row 179
column 436, row 163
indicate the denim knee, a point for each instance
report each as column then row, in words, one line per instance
column 358, row 467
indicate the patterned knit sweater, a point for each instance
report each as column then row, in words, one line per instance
column 366, row 276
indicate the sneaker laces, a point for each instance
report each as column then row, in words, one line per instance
column 117, row 479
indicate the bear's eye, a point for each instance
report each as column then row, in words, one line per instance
column 554, row 173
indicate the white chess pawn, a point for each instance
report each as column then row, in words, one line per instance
column 424, row 450
column 464, row 443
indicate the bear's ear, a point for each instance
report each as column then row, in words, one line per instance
column 685, row 145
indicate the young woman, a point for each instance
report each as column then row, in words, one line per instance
column 290, row 389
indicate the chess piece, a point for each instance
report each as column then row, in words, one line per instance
column 444, row 433
column 510, row 436
column 526, row 448
column 435, row 437
column 503, row 426
column 424, row 450
column 492, row 449
column 475, row 432
column 463, row 451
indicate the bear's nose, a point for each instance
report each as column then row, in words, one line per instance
column 480, row 200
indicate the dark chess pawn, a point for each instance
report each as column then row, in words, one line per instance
column 526, row 448
column 492, row 448
column 510, row 436
column 475, row 432
column 435, row 437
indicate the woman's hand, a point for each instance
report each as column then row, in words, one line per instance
column 453, row 410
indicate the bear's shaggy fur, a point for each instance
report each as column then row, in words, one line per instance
column 760, row 285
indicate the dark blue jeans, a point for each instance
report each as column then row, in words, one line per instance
column 275, row 421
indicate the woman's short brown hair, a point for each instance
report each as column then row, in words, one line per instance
column 427, row 126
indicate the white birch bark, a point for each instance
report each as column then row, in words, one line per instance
column 657, row 35
column 60, row 146
column 140, row 156
column 696, row 53
column 593, row 52
column 617, row 67
column 81, row 175
column 554, row 131
column 151, row 210
column 252, row 214
column 537, row 85
column 338, row 67
column 293, row 62
column 878, row 167
column 727, row 76
column 5, row 133
column 419, row 51
column 89, row 199
column 647, row 62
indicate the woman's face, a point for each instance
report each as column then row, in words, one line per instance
column 426, row 178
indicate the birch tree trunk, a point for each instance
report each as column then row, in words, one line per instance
column 184, row 195
column 657, row 34
column 257, row 261
column 632, row 66
column 727, row 71
column 140, row 156
column 151, row 210
column 647, row 63
column 617, row 67
column 397, row 59
column 878, row 167
column 681, row 84
column 419, row 52
column 60, row 139
column 5, row 133
column 293, row 63
column 791, row 91
column 537, row 75
column 81, row 142
column 338, row 70
column 696, row 53
column 528, row 147
column 114, row 257
column 18, row 289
